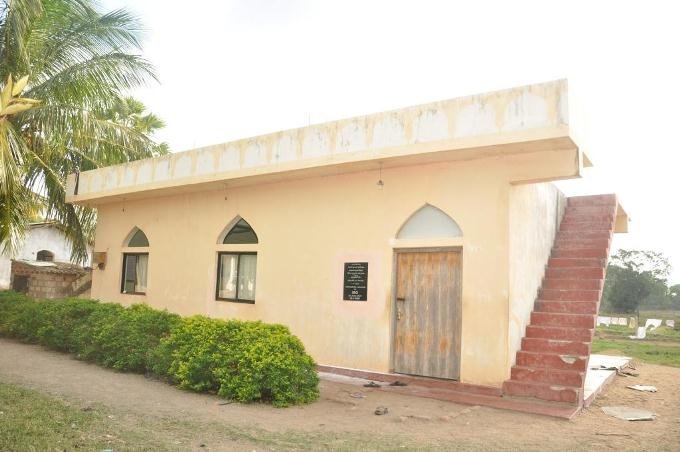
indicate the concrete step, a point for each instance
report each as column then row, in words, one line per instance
column 552, row 361
column 569, row 378
column 560, row 333
column 598, row 200
column 581, row 243
column 553, row 393
column 584, row 210
column 566, row 307
column 575, row 284
column 587, row 226
column 576, row 235
column 600, row 252
column 575, row 272
column 555, row 262
column 569, row 295
column 540, row 345
column 571, row 216
column 563, row 320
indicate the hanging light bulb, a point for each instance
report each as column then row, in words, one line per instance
column 380, row 183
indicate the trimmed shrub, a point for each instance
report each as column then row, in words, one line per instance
column 191, row 354
column 60, row 322
column 18, row 316
column 124, row 338
column 268, row 363
column 239, row 360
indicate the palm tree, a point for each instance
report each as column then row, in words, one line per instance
column 64, row 62
column 132, row 113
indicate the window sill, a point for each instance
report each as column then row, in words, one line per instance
column 133, row 293
column 232, row 300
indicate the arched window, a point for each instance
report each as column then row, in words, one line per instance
column 429, row 222
column 138, row 239
column 240, row 233
column 135, row 264
column 45, row 256
column 237, row 269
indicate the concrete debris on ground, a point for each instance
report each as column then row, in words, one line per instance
column 627, row 373
column 640, row 334
column 628, row 414
column 643, row 388
column 381, row 410
column 653, row 323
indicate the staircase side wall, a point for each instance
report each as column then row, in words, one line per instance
column 534, row 219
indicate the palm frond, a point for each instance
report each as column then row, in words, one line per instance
column 79, row 62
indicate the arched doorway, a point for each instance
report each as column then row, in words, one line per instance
column 427, row 314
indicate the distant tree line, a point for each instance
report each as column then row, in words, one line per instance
column 638, row 279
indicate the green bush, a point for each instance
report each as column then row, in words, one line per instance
column 124, row 338
column 268, row 363
column 19, row 317
column 239, row 360
column 60, row 321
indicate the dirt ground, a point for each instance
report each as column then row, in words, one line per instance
column 204, row 422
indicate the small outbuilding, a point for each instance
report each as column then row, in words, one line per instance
column 45, row 279
column 44, row 242
column 426, row 241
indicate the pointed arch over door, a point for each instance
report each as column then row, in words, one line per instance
column 429, row 222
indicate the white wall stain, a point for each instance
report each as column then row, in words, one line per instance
column 430, row 125
column 526, row 110
column 389, row 131
column 182, row 167
column 316, row 143
column 229, row 158
column 351, row 137
column 475, row 119
column 255, row 155
column 205, row 161
column 285, row 149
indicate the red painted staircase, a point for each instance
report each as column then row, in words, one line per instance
column 552, row 363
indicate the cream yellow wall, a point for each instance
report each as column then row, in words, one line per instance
column 308, row 228
column 534, row 216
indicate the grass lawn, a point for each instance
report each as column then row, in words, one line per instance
column 665, row 353
column 30, row 420
column 661, row 346
column 33, row 421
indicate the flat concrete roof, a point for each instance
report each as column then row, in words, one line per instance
column 519, row 120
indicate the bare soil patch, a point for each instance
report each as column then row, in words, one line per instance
column 344, row 416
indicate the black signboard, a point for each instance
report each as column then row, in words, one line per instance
column 355, row 285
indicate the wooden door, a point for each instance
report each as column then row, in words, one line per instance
column 428, row 305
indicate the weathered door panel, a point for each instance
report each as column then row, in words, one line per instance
column 427, row 336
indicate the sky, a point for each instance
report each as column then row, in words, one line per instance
column 234, row 69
